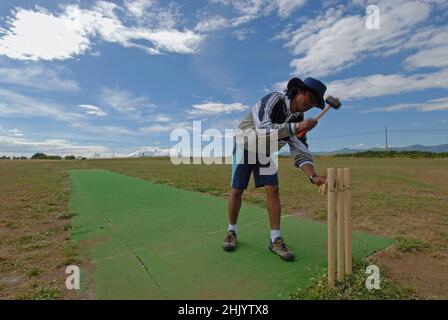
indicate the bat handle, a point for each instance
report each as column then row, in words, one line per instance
column 301, row 133
column 304, row 131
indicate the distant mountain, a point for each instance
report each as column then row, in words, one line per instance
column 419, row 147
column 416, row 147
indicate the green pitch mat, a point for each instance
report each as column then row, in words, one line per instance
column 151, row 241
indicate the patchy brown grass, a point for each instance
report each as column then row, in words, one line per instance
column 33, row 198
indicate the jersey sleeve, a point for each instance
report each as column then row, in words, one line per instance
column 299, row 152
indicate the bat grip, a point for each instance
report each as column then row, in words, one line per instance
column 302, row 133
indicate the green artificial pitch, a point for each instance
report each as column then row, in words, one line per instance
column 142, row 240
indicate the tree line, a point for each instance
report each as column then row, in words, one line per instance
column 43, row 156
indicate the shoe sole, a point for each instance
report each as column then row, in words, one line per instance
column 284, row 259
column 229, row 249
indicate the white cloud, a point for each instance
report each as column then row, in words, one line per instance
column 124, row 101
column 257, row 7
column 214, row 22
column 242, row 34
column 37, row 77
column 433, row 57
column 138, row 7
column 334, row 41
column 13, row 104
column 151, row 14
column 21, row 146
column 248, row 10
column 93, row 110
column 41, row 35
column 378, row 85
column 151, row 152
column 430, row 105
column 15, row 133
column 161, row 118
column 36, row 35
column 217, row 107
column 164, row 127
column 247, row 7
column 286, row 7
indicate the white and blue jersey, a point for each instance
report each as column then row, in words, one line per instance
column 271, row 112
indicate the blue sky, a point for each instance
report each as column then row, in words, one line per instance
column 85, row 77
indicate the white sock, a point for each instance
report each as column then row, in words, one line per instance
column 233, row 227
column 274, row 234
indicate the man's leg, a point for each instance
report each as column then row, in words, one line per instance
column 234, row 205
column 277, row 245
column 241, row 172
column 273, row 205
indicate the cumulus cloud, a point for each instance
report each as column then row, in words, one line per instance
column 138, row 7
column 431, row 57
column 335, row 40
column 381, row 85
column 41, row 35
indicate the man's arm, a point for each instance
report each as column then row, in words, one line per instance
column 309, row 171
column 303, row 159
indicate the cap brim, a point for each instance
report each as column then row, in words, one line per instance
column 321, row 101
column 321, row 104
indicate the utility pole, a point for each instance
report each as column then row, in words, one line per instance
column 385, row 134
column 139, row 152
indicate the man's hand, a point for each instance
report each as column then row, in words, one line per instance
column 306, row 124
column 318, row 181
column 323, row 188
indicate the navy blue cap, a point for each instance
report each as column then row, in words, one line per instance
column 317, row 88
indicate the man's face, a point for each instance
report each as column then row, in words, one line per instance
column 304, row 101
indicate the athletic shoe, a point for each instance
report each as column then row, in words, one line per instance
column 230, row 241
column 280, row 248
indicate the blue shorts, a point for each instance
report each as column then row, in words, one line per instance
column 242, row 169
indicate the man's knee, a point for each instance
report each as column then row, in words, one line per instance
column 237, row 193
column 272, row 190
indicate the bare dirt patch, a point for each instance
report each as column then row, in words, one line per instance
column 426, row 274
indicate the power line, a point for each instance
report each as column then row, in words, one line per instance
column 377, row 132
